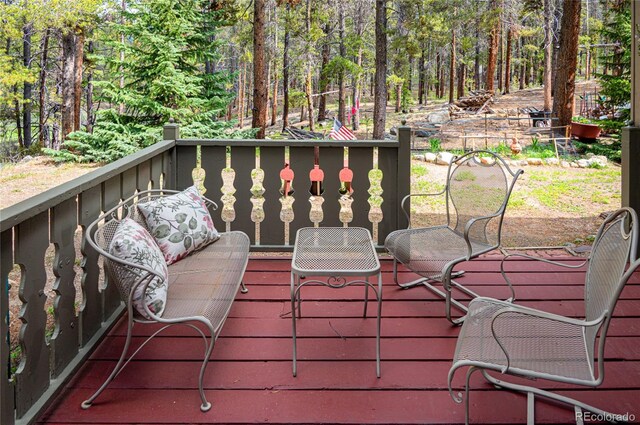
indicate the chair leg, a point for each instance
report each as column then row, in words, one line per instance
column 243, row 288
column 208, row 348
column 533, row 391
column 116, row 370
column 466, row 394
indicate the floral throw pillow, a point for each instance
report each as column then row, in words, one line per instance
column 133, row 243
column 179, row 223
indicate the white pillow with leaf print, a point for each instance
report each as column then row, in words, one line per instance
column 133, row 243
column 179, row 223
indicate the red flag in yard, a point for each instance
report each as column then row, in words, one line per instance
column 340, row 132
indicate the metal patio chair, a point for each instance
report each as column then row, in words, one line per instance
column 477, row 190
column 201, row 290
column 520, row 341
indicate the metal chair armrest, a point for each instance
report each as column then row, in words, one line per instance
column 544, row 260
column 525, row 311
column 467, row 229
column 404, row 200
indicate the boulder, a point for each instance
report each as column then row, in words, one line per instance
column 565, row 164
column 438, row 117
column 26, row 159
column 393, row 131
column 523, row 163
column 534, row 161
column 424, row 133
column 583, row 163
column 418, row 157
column 444, row 158
column 552, row 161
column 430, row 157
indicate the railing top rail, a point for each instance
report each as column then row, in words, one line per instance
column 280, row 143
column 15, row 214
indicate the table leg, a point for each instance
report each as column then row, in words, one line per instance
column 293, row 320
column 366, row 297
column 378, row 324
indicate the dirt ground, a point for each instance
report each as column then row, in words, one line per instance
column 26, row 179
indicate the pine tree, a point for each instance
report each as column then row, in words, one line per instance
column 165, row 46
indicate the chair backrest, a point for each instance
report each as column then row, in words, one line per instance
column 479, row 185
column 614, row 246
column 100, row 234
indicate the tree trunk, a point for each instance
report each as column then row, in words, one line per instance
column 357, row 79
column 19, row 128
column 523, row 69
column 77, row 77
column 507, row 68
column 461, row 80
column 398, row 96
column 567, row 59
column 274, row 103
column 452, row 66
column 380, row 97
column 28, row 87
column 356, row 94
column 308, row 86
column 43, row 87
column 90, row 94
column 342, row 108
column 548, row 54
column 68, row 60
column 492, row 56
column 476, row 57
column 500, row 61
column 123, row 7
column 259, row 70
column 438, row 73
column 285, row 72
column 323, row 82
column 421, row 78
column 241, row 83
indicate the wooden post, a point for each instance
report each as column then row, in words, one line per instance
column 404, row 173
column 171, row 131
column 631, row 134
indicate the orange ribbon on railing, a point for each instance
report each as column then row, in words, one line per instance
column 286, row 175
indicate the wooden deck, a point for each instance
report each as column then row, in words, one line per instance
column 249, row 378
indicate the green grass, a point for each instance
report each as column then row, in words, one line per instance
column 464, row 175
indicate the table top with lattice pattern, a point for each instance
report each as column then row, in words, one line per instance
column 334, row 251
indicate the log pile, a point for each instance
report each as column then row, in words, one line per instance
column 476, row 99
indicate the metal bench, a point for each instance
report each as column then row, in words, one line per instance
column 201, row 286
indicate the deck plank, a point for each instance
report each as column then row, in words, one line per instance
column 249, row 377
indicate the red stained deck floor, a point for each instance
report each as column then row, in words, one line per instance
column 249, row 377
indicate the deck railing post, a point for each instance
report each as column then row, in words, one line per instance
column 404, row 173
column 631, row 135
column 171, row 131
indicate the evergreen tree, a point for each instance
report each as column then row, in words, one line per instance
column 166, row 43
column 166, row 46
column 617, row 29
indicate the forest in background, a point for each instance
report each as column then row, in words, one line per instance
column 94, row 80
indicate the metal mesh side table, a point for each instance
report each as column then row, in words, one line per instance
column 336, row 253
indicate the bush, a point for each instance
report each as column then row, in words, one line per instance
column 612, row 151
